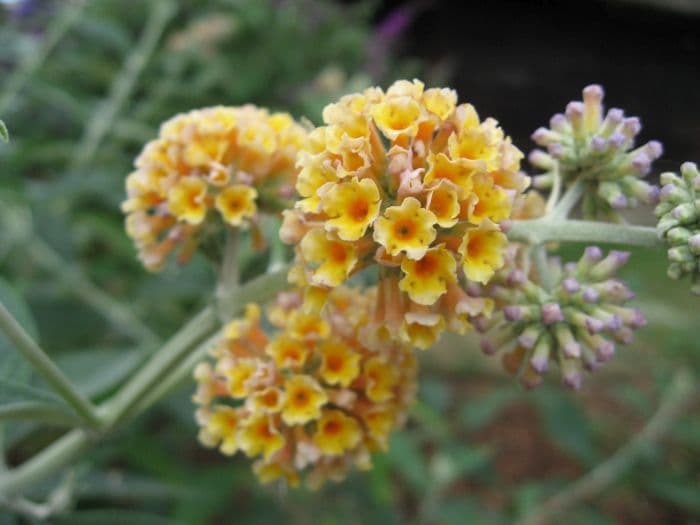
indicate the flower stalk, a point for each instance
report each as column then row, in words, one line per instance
column 47, row 369
column 552, row 229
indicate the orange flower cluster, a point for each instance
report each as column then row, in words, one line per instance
column 414, row 182
column 207, row 168
column 311, row 399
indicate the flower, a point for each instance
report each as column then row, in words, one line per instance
column 214, row 167
column 309, row 401
column 400, row 179
column 407, row 228
column 575, row 324
column 583, row 145
column 678, row 213
column 305, row 397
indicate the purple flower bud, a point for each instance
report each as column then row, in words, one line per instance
column 590, row 295
column 619, row 202
column 607, row 267
column 593, row 253
column 605, row 350
column 653, row 195
column 488, row 347
column 638, row 320
column 544, row 136
column 513, row 313
column 572, row 349
column 559, row 123
column 694, row 244
column 516, row 278
column 624, row 335
column 593, row 93
column 482, row 324
column 614, row 323
column 570, row 285
column 573, row 379
column 598, row 144
column 615, row 115
column 654, row 149
column 556, row 150
column 616, row 141
column 540, row 363
column 641, row 163
column 570, row 268
column 551, row 313
column 594, row 325
column 631, row 126
column 526, row 341
column 574, row 109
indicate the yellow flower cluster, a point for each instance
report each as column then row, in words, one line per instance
column 310, row 399
column 221, row 161
column 414, row 182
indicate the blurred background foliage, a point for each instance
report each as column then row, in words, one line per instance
column 84, row 85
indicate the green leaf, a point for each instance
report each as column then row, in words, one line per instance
column 566, row 424
column 680, row 491
column 477, row 414
column 4, row 135
column 95, row 371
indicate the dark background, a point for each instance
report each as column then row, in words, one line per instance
column 522, row 60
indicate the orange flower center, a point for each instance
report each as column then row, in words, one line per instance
column 334, row 362
column 475, row 247
column 359, row 209
column 337, row 252
column 300, row 397
column 404, row 229
column 427, row 265
column 332, row 428
column 270, row 399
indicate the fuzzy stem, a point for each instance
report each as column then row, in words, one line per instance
column 106, row 112
column 229, row 277
column 549, row 229
column 568, row 201
column 136, row 395
column 259, row 290
column 555, row 192
column 49, row 413
column 46, row 368
column 675, row 400
column 131, row 393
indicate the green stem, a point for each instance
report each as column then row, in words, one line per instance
column 547, row 229
column 229, row 276
column 120, row 317
column 134, row 396
column 568, row 201
column 259, row 290
column 193, row 332
column 46, row 368
column 673, row 404
column 49, row 413
column 556, row 190
column 539, row 253
column 33, row 61
column 106, row 112
column 62, row 452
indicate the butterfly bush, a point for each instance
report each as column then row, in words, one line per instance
column 309, row 400
column 679, row 222
column 411, row 182
column 209, row 168
column 598, row 149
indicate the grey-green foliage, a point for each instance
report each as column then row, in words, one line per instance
column 4, row 135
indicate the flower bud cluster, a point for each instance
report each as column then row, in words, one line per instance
column 410, row 181
column 207, row 168
column 310, row 400
column 575, row 324
column 584, row 144
column 679, row 222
